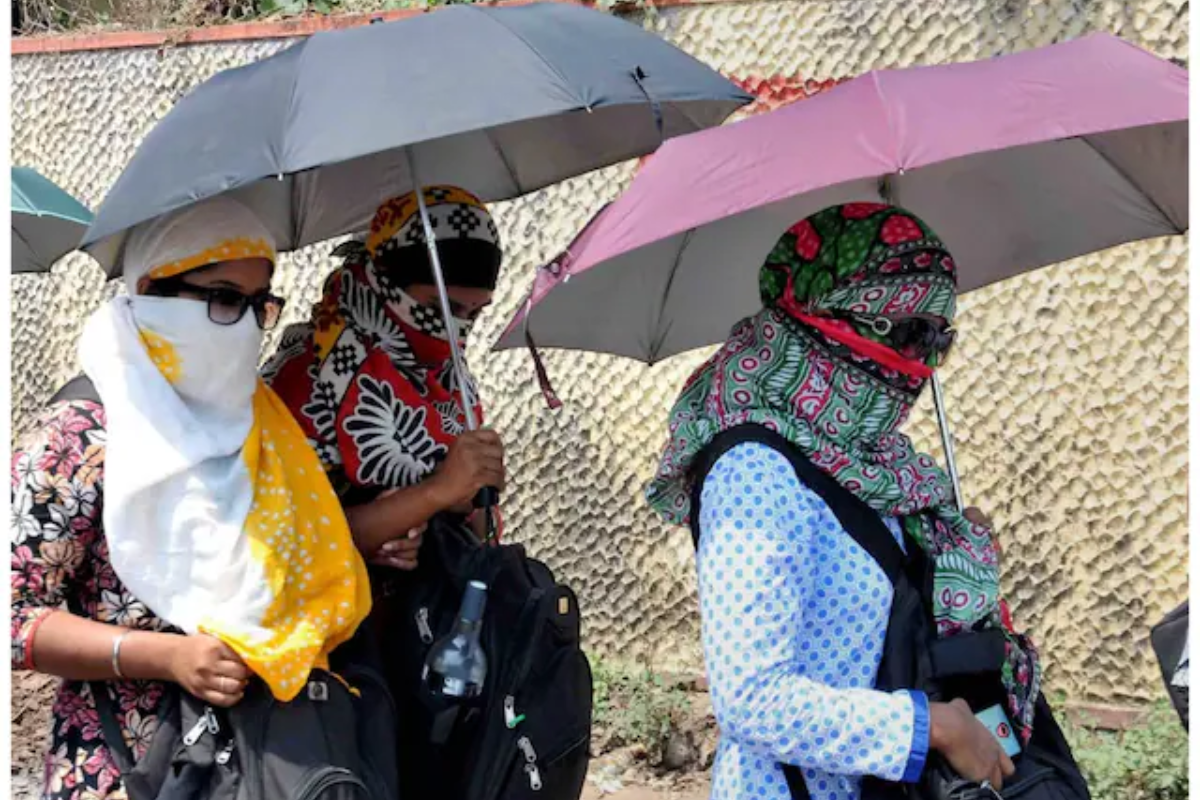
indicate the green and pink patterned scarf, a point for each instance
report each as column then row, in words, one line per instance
column 844, row 410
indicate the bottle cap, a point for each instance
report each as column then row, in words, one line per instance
column 474, row 600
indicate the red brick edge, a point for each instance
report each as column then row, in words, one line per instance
column 283, row 29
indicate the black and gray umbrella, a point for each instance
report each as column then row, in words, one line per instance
column 502, row 101
column 47, row 223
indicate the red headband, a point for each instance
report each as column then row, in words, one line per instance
column 842, row 332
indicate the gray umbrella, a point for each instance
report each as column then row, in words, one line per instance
column 501, row 101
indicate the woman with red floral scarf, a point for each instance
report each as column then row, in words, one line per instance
column 371, row 380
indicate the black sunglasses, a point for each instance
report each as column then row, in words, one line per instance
column 225, row 306
column 911, row 337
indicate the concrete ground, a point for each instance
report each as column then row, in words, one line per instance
column 644, row 793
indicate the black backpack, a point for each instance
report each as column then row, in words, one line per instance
column 1169, row 639
column 331, row 742
column 527, row 734
column 334, row 741
column 965, row 666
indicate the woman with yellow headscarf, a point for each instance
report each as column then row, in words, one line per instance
column 183, row 518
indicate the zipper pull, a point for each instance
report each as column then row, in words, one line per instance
column 511, row 718
column 535, row 777
column 423, row 628
column 207, row 722
column 226, row 754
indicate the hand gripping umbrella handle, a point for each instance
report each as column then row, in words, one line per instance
column 489, row 496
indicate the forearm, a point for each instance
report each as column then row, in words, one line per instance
column 82, row 649
column 392, row 516
column 797, row 721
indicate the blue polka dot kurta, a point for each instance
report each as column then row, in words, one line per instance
column 794, row 614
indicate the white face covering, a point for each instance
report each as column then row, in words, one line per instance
column 217, row 364
column 215, row 507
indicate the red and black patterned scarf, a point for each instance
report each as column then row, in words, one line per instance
column 371, row 378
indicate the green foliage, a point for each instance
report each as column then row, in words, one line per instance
column 292, row 8
column 633, row 706
column 1147, row 762
column 57, row 16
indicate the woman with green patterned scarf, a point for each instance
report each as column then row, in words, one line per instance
column 858, row 301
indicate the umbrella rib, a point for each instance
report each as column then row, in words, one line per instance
column 512, row 175
column 41, row 256
column 656, row 345
column 1129, row 179
column 545, row 61
column 17, row 191
column 887, row 118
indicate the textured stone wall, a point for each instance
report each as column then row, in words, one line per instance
column 1067, row 391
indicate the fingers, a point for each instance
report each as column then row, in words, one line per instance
column 1006, row 765
column 400, row 553
column 483, row 436
column 233, row 670
column 406, row 564
column 402, row 546
column 406, row 547
column 493, row 477
column 220, row 699
column 222, row 691
column 222, row 651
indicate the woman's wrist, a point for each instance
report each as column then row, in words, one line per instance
column 147, row 655
column 435, row 497
column 937, row 722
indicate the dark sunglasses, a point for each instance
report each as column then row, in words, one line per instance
column 912, row 337
column 225, row 306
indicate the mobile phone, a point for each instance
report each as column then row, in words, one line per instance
column 996, row 721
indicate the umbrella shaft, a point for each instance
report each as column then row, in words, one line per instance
column 460, row 373
column 939, row 403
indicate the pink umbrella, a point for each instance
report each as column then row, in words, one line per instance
column 1017, row 162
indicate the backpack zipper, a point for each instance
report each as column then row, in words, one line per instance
column 531, row 770
column 226, row 754
column 207, row 722
column 531, row 611
column 423, row 628
column 535, row 600
column 511, row 718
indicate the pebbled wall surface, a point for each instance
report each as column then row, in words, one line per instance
column 1068, row 390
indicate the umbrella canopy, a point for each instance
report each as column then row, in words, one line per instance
column 1017, row 162
column 47, row 223
column 502, row 101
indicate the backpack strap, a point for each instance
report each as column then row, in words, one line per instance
column 114, row 740
column 859, row 520
column 78, row 388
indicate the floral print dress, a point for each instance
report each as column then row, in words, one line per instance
column 60, row 558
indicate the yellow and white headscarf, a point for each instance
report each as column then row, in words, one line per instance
column 217, row 513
